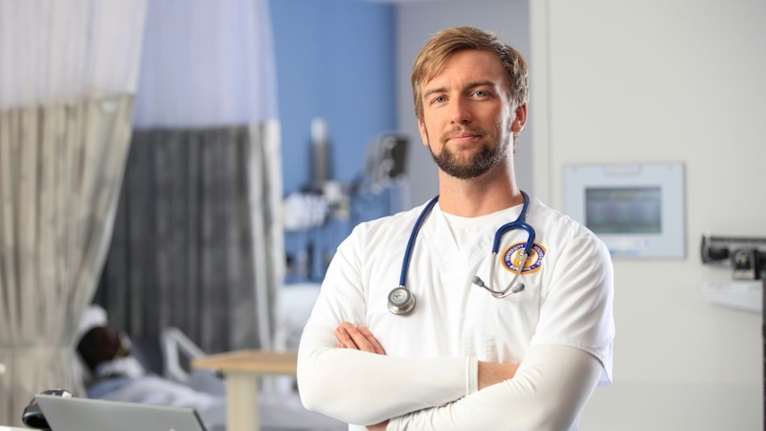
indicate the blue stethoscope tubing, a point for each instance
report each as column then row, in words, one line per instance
column 402, row 301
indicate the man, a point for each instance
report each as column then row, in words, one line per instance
column 526, row 357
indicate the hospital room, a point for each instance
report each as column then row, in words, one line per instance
column 191, row 191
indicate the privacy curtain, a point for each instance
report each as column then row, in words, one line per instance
column 197, row 244
column 191, row 238
column 68, row 71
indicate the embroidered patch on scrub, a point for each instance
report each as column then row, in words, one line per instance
column 511, row 261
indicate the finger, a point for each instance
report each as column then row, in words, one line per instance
column 360, row 340
column 344, row 339
column 363, row 338
column 347, row 325
column 371, row 338
column 378, row 427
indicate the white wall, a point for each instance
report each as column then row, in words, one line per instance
column 664, row 80
column 416, row 23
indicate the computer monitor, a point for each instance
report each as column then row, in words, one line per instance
column 637, row 209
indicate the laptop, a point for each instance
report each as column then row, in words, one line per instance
column 84, row 414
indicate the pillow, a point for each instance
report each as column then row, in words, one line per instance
column 295, row 303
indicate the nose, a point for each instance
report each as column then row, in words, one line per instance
column 460, row 112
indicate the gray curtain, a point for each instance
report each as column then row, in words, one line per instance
column 184, row 251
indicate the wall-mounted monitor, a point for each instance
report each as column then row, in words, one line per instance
column 636, row 209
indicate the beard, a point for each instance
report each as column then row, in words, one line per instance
column 479, row 162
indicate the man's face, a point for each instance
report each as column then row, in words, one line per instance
column 468, row 121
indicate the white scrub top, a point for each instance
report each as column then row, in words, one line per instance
column 567, row 298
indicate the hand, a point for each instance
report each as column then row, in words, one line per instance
column 358, row 338
column 378, row 427
column 490, row 373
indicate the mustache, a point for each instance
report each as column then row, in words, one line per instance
column 446, row 136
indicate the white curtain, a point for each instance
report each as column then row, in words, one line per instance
column 268, row 230
column 68, row 72
column 206, row 63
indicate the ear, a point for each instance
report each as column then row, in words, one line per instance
column 423, row 132
column 520, row 119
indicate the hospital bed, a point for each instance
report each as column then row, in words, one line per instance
column 294, row 303
column 171, row 356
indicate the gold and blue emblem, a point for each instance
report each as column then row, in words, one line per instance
column 511, row 260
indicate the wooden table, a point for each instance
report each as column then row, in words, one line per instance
column 241, row 370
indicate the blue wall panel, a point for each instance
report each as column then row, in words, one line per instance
column 336, row 60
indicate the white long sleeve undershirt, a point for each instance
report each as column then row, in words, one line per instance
column 365, row 388
column 549, row 390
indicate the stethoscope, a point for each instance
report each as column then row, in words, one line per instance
column 401, row 301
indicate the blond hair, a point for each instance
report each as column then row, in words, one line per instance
column 434, row 55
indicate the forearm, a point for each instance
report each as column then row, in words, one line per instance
column 548, row 392
column 365, row 388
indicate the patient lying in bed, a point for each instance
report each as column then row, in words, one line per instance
column 118, row 376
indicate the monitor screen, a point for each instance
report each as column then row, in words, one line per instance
column 626, row 210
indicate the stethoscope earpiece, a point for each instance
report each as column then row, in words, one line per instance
column 498, row 294
column 401, row 301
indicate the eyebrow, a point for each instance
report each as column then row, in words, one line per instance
column 428, row 93
column 470, row 86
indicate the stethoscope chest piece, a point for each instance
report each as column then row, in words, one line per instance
column 401, row 301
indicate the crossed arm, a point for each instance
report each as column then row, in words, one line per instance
column 547, row 391
column 360, row 338
column 359, row 384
